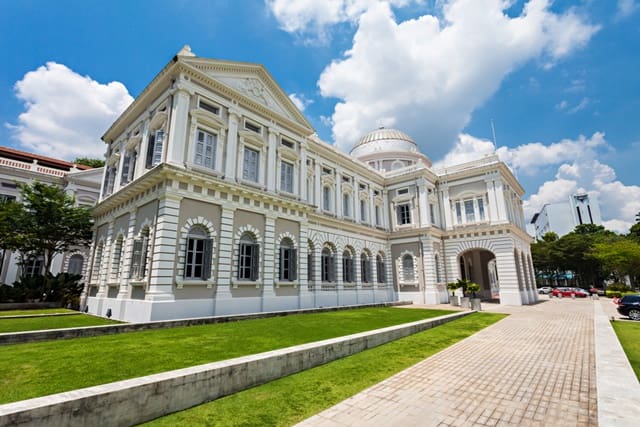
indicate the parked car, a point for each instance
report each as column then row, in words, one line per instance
column 629, row 305
column 544, row 290
column 569, row 292
column 597, row 291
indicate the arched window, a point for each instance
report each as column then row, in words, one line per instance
column 287, row 261
column 408, row 269
column 197, row 260
column 365, row 268
column 76, row 262
column 380, row 270
column 328, row 265
column 139, row 258
column 248, row 258
column 347, row 267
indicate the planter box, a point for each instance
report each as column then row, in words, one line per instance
column 454, row 300
column 475, row 304
column 465, row 302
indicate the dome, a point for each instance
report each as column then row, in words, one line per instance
column 386, row 149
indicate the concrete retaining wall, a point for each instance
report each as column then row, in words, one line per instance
column 134, row 401
column 93, row 331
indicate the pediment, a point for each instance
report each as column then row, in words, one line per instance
column 252, row 81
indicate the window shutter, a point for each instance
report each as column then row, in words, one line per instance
column 124, row 176
column 255, row 259
column 150, row 146
column 332, row 268
column 293, row 266
column 157, row 149
column 281, row 264
column 136, row 259
column 206, row 262
column 239, row 265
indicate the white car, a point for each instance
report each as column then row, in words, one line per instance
column 544, row 290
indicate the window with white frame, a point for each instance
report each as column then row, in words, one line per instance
column 346, row 204
column 404, row 213
column 76, row 262
column 128, row 166
column 287, row 261
column 470, row 210
column 326, row 198
column 348, row 272
column 33, row 266
column 248, row 258
column 363, row 210
column 408, row 268
column 365, row 268
column 118, row 249
column 380, row 270
column 251, row 164
column 328, row 268
column 139, row 256
column 97, row 262
column 286, row 176
column 197, row 260
column 154, row 148
column 205, row 149
column 109, row 180
column 378, row 216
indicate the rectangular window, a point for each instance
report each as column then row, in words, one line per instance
column 470, row 215
column 109, row 178
column 286, row 177
column 205, row 152
column 328, row 267
column 377, row 210
column 458, row 213
column 248, row 261
column 346, row 205
column 210, row 108
column 404, row 214
column 287, row 264
column 363, row 211
column 33, row 266
column 252, row 127
column 198, row 259
column 481, row 209
column 251, row 165
column 139, row 259
column 326, row 198
column 154, row 149
column 287, row 143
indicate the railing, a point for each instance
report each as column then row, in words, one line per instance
column 487, row 160
column 34, row 166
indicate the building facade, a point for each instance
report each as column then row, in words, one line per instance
column 219, row 198
column 562, row 218
column 83, row 183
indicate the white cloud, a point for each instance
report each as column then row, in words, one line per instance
column 577, row 170
column 300, row 101
column 581, row 106
column 427, row 75
column 625, row 8
column 66, row 113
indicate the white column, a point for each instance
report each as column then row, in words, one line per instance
column 165, row 236
column 127, row 253
column 385, row 210
column 105, row 263
column 500, row 201
column 141, row 160
column 270, row 264
column 272, row 167
column 225, row 255
column 232, row 146
column 338, row 194
column 178, row 127
column 302, row 188
column 423, row 202
column 355, row 202
column 446, row 207
column 318, row 186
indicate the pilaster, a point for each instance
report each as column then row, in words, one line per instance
column 225, row 253
column 178, row 127
column 128, row 256
column 165, row 238
column 271, row 161
column 423, row 202
column 269, row 249
column 232, row 146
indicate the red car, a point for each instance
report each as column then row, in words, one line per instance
column 569, row 292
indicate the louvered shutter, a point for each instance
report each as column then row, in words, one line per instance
column 255, row 261
column 206, row 262
column 150, row 145
column 281, row 264
column 293, row 265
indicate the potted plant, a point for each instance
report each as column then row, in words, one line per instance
column 454, row 300
column 465, row 301
column 475, row 302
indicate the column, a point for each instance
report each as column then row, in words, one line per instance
column 269, row 263
column 142, row 148
column 317, row 182
column 176, row 140
column 372, row 208
column 127, row 253
column 302, row 188
column 423, row 202
column 105, row 264
column 500, row 201
column 305, row 299
column 225, row 253
column 338, row 194
column 355, row 202
column 446, row 207
column 385, row 210
column 165, row 236
column 272, row 167
column 232, row 146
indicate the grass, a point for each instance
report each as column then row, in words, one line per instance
column 38, row 369
column 628, row 333
column 37, row 311
column 51, row 322
column 291, row 399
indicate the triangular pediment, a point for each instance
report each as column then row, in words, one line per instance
column 252, row 81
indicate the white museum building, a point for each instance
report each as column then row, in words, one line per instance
column 82, row 182
column 219, row 198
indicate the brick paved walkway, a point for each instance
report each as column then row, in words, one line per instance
column 534, row 368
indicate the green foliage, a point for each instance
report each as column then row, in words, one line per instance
column 86, row 161
column 618, row 287
column 63, row 287
column 472, row 288
column 38, row 369
column 291, row 399
column 46, row 223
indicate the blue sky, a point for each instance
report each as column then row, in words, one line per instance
column 558, row 79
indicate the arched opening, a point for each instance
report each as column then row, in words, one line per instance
column 479, row 266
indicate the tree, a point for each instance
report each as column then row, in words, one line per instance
column 621, row 256
column 94, row 163
column 45, row 224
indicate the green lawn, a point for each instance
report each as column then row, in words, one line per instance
column 50, row 322
column 38, row 369
column 38, row 311
column 291, row 399
column 628, row 333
